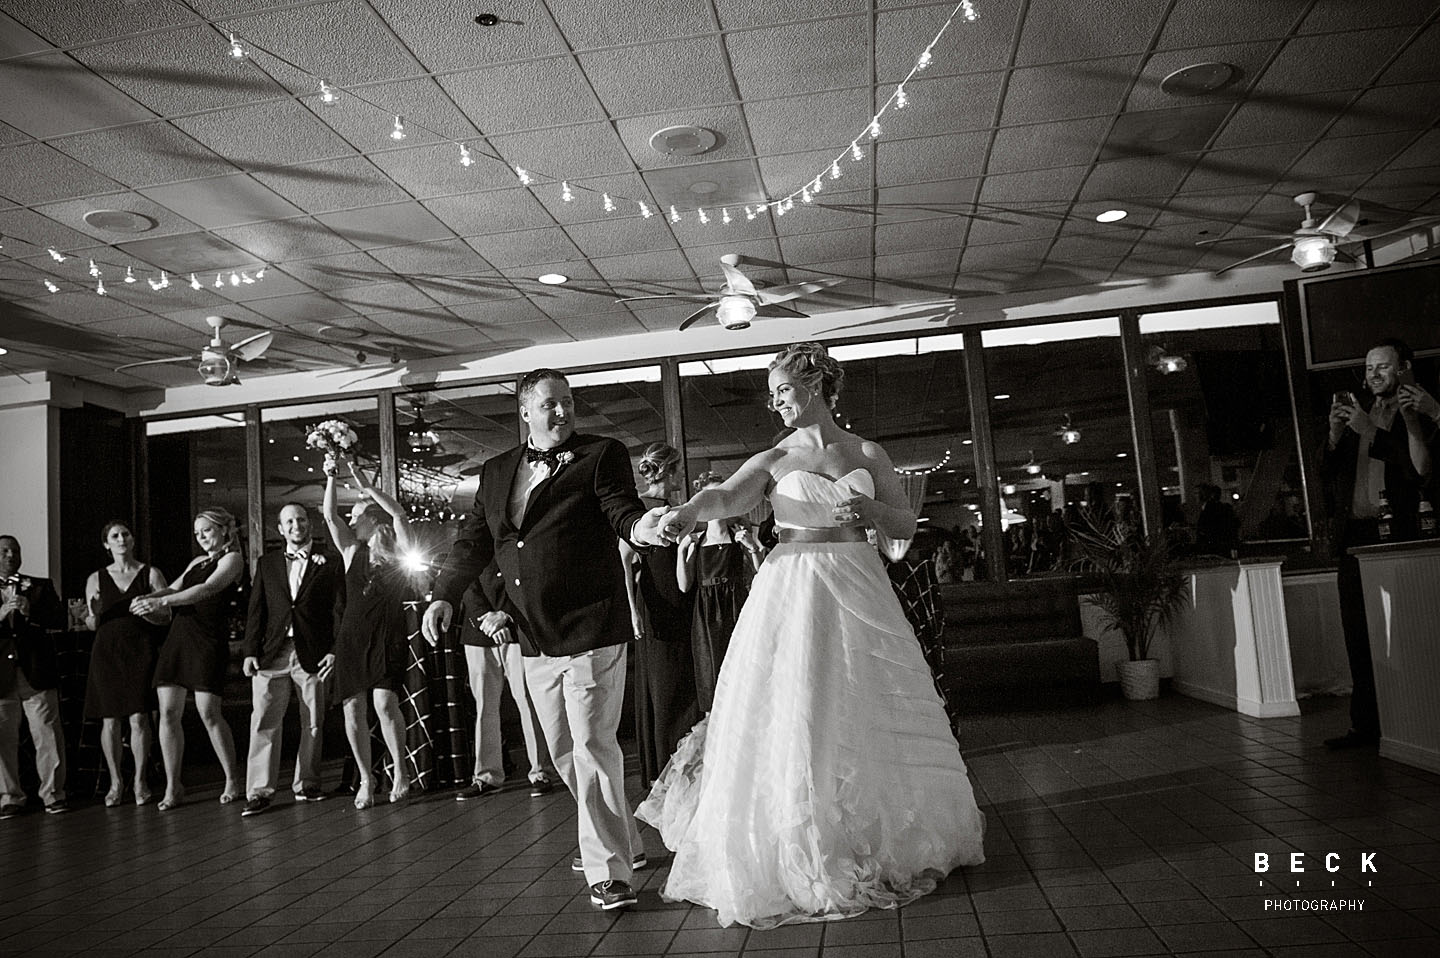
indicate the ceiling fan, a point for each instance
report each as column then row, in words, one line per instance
column 738, row 302
column 1314, row 246
column 217, row 361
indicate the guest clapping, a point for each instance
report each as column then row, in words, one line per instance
column 197, row 650
column 122, row 658
column 371, row 647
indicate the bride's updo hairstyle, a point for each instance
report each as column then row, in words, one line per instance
column 812, row 367
column 659, row 461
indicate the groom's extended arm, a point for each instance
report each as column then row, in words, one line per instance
column 472, row 550
column 615, row 488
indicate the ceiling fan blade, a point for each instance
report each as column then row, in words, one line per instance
column 254, row 347
column 1416, row 224
column 693, row 297
column 1342, row 221
column 1252, row 236
column 781, row 294
column 1273, row 249
column 737, row 281
column 690, row 320
column 157, row 362
column 776, row 311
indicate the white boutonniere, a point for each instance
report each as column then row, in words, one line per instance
column 564, row 459
column 317, row 559
column 25, row 584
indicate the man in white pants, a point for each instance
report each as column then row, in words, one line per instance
column 492, row 656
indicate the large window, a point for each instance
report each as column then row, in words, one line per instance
column 194, row 463
column 293, row 472
column 1223, row 428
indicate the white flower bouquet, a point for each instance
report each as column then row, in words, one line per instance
column 333, row 437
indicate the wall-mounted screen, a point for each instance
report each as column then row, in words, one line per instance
column 1343, row 315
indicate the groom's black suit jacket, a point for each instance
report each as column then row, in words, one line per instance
column 314, row 610
column 561, row 565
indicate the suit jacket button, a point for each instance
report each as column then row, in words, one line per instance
column 499, row 574
column 520, row 544
column 517, row 581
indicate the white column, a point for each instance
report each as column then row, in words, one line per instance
column 30, row 473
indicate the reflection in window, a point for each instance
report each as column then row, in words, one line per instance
column 295, row 473
column 1223, row 427
column 194, row 463
column 1060, row 419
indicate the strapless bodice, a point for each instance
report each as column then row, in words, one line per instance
column 803, row 499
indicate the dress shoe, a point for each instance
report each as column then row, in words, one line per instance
column 58, row 807
column 1352, row 739
column 10, row 810
column 172, row 800
column 577, row 864
column 310, row 793
column 143, row 795
column 255, row 806
column 478, row 790
column 365, row 796
column 612, row 893
column 114, row 796
column 541, row 786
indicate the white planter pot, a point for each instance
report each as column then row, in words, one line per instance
column 1139, row 680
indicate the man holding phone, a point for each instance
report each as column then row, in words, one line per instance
column 1386, row 450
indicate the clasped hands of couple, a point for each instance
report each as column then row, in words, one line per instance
column 673, row 523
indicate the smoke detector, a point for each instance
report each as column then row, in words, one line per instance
column 683, row 140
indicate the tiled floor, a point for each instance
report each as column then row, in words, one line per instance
column 1125, row 829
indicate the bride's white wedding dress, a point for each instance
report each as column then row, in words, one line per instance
column 825, row 780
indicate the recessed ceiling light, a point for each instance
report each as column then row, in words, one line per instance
column 1121, row 455
column 1002, row 395
column 1111, row 216
column 3, row 350
column 553, row 279
column 966, row 442
column 209, row 480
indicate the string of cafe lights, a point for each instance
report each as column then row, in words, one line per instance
column 127, row 275
column 929, row 470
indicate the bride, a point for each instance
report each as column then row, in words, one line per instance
column 825, row 780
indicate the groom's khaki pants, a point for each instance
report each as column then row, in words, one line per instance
column 578, row 699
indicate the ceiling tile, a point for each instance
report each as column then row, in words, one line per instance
column 705, row 260
column 390, row 296
column 37, row 232
column 72, row 214
column 1334, row 156
column 500, row 312
column 522, row 247
column 1199, row 23
column 35, row 173
column 618, row 235
column 1001, row 255
column 1417, row 63
column 820, row 120
column 942, row 105
column 835, row 209
column 565, row 152
column 922, row 201
column 660, row 76
column 621, row 22
column 333, row 184
column 582, row 326
column 735, row 14
column 1413, row 106
column 690, row 232
column 1154, row 177
column 1423, row 152
column 783, row 173
column 181, row 70
column 809, row 248
column 1046, row 145
column 65, row 24
column 389, row 225
column 557, row 83
column 731, row 183
column 1336, row 61
column 52, row 95
column 265, row 136
column 930, row 158
column 1006, row 226
column 1088, row 88
column 444, row 35
column 726, row 122
column 343, row 40
column 637, row 268
column 1244, row 167
column 442, row 259
column 1248, row 59
column 801, row 57
column 1326, row 14
column 587, row 198
column 338, row 272
column 365, row 117
column 1064, row 30
column 1287, row 120
column 495, row 211
column 942, row 233
column 1186, row 129
column 222, row 201
column 190, row 252
column 534, row 334
column 468, row 287
column 966, row 47
column 280, row 241
column 436, row 170
column 1033, row 188
column 302, row 308
column 16, row 40
column 144, row 154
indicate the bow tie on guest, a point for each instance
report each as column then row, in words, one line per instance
column 10, row 579
column 551, row 457
column 297, row 556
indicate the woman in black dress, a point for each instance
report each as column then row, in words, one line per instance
column 122, row 658
column 196, row 651
column 371, row 646
column 660, row 614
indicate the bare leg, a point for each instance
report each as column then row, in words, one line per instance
column 140, row 746
column 392, row 729
column 357, row 730
column 112, row 748
column 223, row 741
column 172, row 741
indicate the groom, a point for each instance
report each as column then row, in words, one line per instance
column 550, row 513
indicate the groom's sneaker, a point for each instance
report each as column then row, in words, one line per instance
column 577, row 864
column 612, row 893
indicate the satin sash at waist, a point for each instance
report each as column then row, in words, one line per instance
column 834, row 534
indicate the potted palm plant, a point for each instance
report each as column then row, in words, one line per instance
column 1138, row 589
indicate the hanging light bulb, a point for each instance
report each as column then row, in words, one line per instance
column 674, row 214
column 701, row 214
column 565, row 193
column 465, row 158
column 164, row 280
column 725, row 215
column 835, row 170
column 56, row 255
column 805, row 194
column 749, row 213
column 856, row 153
column 874, row 129
column 129, row 274
column 924, row 60
column 194, row 283
column 645, row 211
column 609, row 203
column 779, row 208
column 969, row 9
column 236, row 50
column 817, row 185
column 94, row 270
column 900, row 98
column 50, row 286
column 246, row 278
column 219, row 281
column 789, row 203
column 154, row 284
column 328, row 96
column 398, row 133
column 100, row 287
column 260, row 273
column 524, row 176
column 234, row 278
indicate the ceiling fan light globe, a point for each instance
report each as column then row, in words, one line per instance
column 735, row 312
column 215, row 369
column 1313, row 253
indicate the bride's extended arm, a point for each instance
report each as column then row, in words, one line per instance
column 733, row 497
column 891, row 512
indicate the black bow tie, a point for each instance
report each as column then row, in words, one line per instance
column 551, row 457
column 10, row 579
column 297, row 556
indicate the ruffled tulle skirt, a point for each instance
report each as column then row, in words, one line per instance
column 825, row 780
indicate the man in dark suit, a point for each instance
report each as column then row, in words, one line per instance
column 288, row 635
column 550, row 514
column 30, row 611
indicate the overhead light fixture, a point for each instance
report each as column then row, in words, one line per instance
column 398, row 131
column 423, row 439
column 1008, row 489
column 328, row 96
column 967, row 442
column 209, row 480
column 1069, row 435
column 215, row 368
column 1111, row 216
column 1032, row 467
column 3, row 351
column 1313, row 253
column 1001, row 396
column 1165, row 362
column 553, row 279
column 1122, row 455
column 735, row 312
